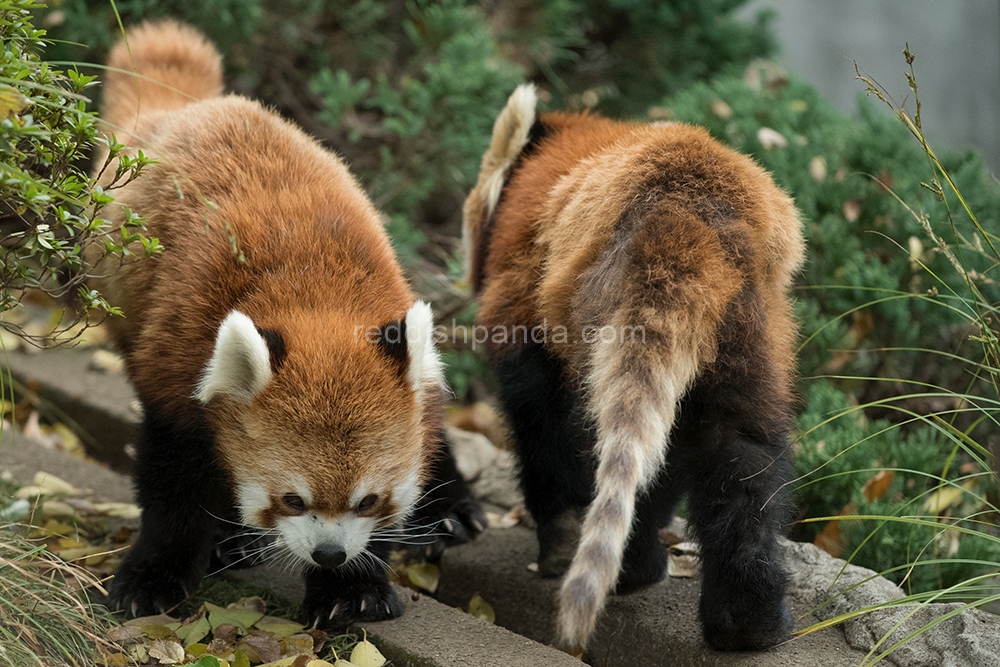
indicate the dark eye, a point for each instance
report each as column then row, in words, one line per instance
column 294, row 502
column 367, row 502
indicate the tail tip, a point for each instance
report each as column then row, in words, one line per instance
column 580, row 602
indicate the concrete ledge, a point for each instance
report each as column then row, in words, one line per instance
column 98, row 404
column 658, row 625
column 430, row 634
column 24, row 457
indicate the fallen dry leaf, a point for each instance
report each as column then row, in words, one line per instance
column 682, row 560
column 107, row 362
column 54, row 485
column 852, row 210
column 167, row 651
column 424, row 575
column 279, row 628
column 124, row 635
column 266, row 648
column 817, row 168
column 721, row 109
column 508, row 520
column 120, row 510
column 769, row 138
column 300, row 644
column 946, row 496
column 876, row 487
column 480, row 608
column 57, row 509
column 365, row 654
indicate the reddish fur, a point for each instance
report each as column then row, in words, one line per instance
column 318, row 264
column 534, row 262
column 652, row 226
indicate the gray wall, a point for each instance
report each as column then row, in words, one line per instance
column 956, row 43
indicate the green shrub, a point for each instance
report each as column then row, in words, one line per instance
column 842, row 457
column 623, row 56
column 51, row 207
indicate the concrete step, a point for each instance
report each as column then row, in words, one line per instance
column 655, row 626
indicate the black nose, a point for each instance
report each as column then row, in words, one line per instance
column 329, row 555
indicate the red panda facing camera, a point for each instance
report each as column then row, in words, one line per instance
column 291, row 389
column 633, row 284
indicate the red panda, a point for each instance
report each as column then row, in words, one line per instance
column 289, row 380
column 633, row 282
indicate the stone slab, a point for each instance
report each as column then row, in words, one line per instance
column 655, row 626
column 97, row 405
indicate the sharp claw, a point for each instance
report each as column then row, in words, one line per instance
column 429, row 551
column 447, row 525
column 135, row 609
column 334, row 611
column 477, row 525
column 387, row 611
column 364, row 604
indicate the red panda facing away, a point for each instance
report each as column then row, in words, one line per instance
column 289, row 381
column 633, row 282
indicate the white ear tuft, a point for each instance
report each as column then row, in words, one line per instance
column 424, row 364
column 240, row 366
column 511, row 132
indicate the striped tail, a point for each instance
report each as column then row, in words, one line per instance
column 160, row 66
column 634, row 391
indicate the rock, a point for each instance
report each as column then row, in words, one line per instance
column 473, row 451
column 970, row 638
column 497, row 484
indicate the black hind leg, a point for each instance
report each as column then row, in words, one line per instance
column 554, row 447
column 737, row 508
column 179, row 487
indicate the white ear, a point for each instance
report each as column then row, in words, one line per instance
column 510, row 134
column 240, row 366
column 424, row 364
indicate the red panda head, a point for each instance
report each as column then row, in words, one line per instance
column 321, row 423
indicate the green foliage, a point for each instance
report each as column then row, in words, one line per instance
column 840, row 452
column 51, row 207
column 432, row 117
column 622, row 56
column 83, row 28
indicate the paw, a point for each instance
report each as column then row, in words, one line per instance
column 457, row 522
column 726, row 630
column 145, row 589
column 351, row 602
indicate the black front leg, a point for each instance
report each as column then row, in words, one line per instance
column 355, row 591
column 447, row 513
column 555, row 442
column 180, row 487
